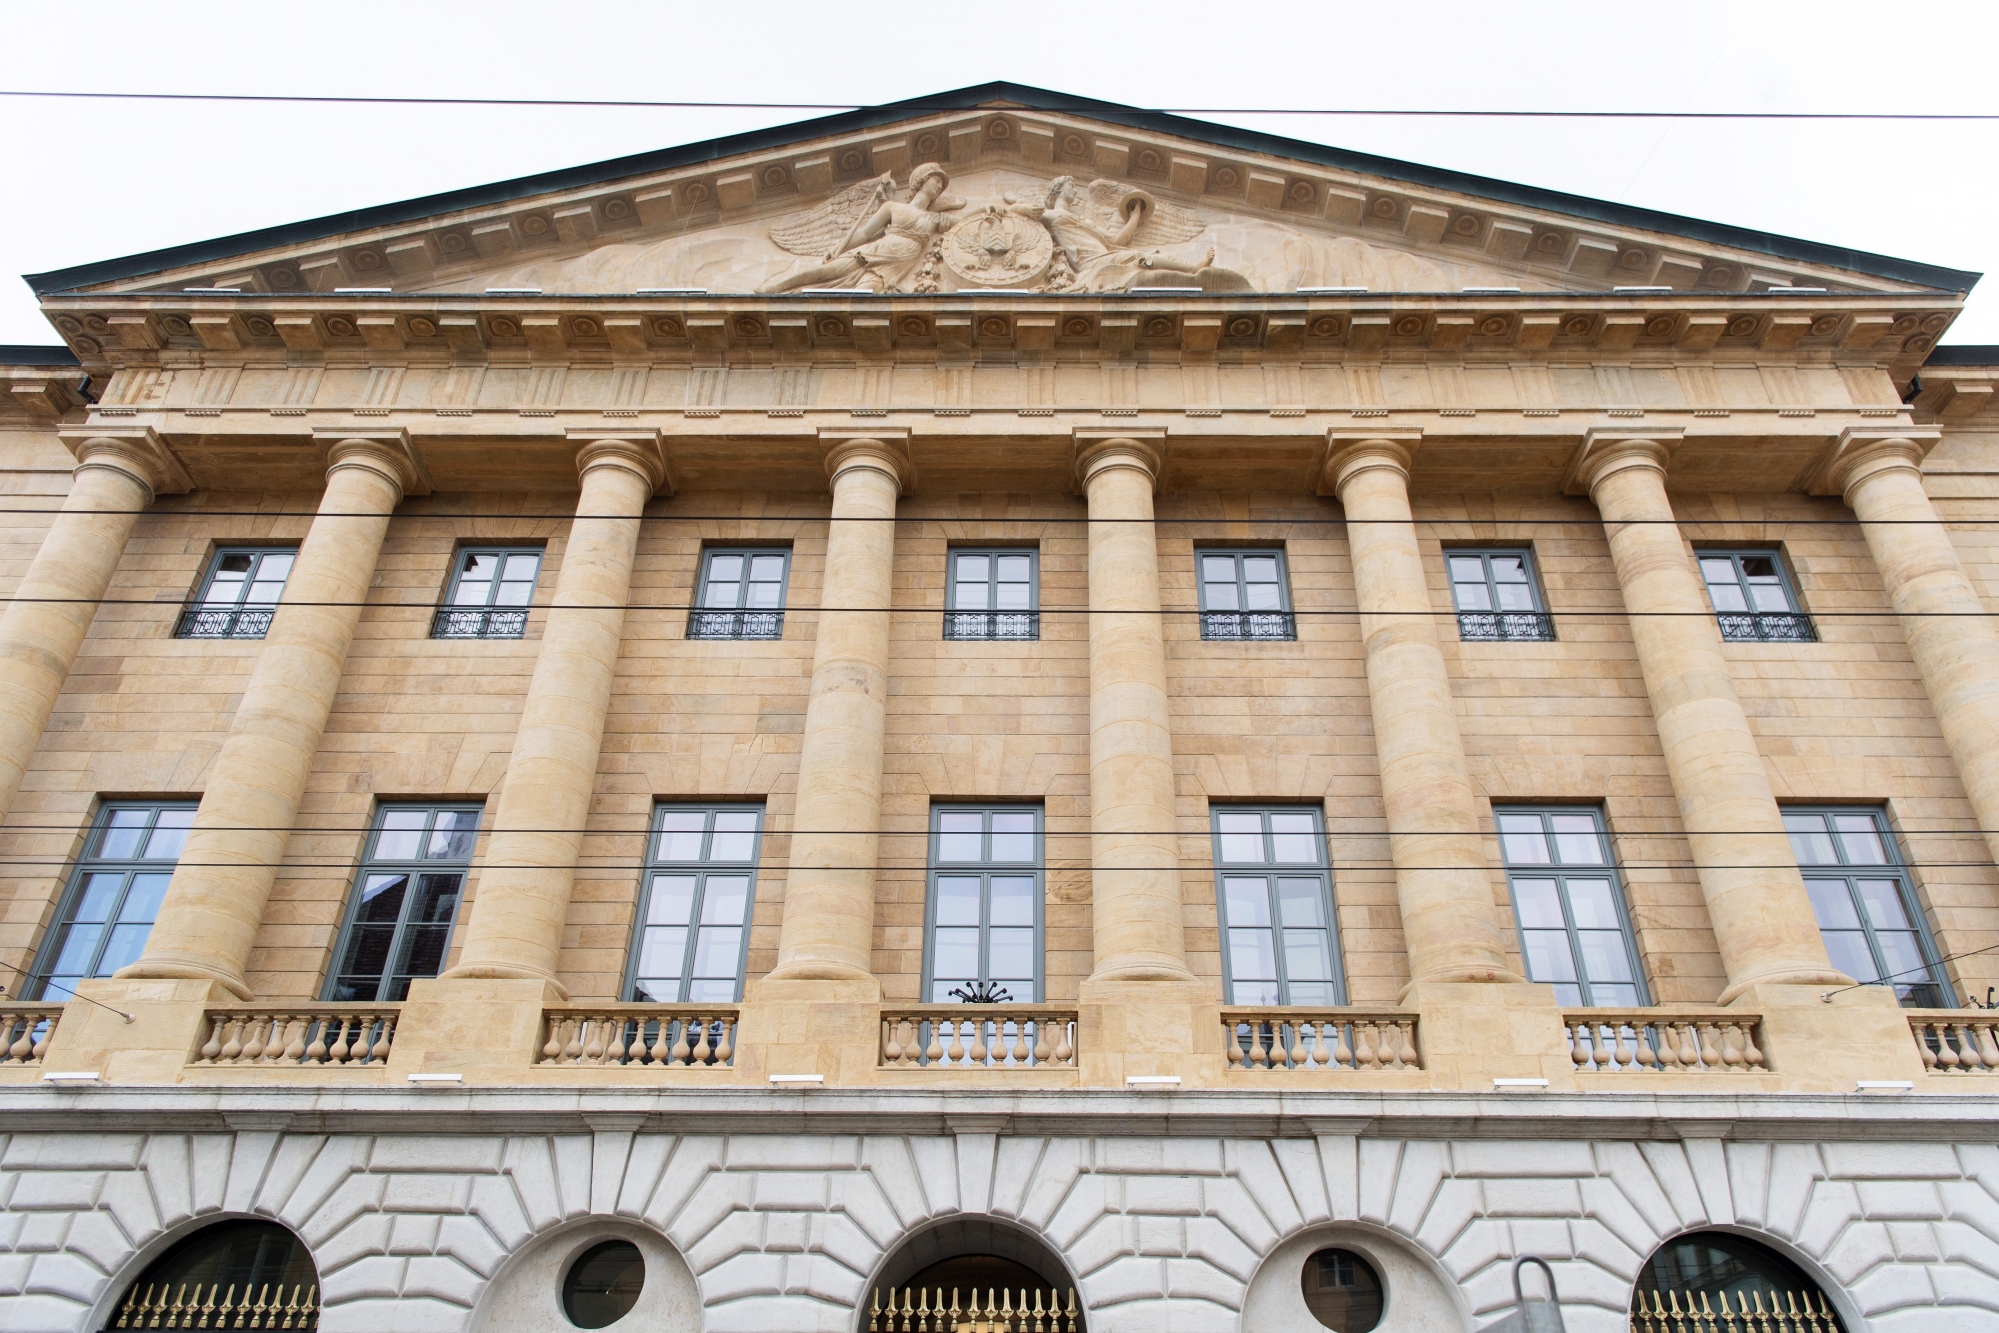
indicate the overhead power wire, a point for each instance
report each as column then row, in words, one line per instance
column 922, row 107
column 50, row 981
column 1923, row 971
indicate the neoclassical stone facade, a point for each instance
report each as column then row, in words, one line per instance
column 1405, row 709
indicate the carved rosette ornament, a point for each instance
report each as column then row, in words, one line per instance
column 998, row 248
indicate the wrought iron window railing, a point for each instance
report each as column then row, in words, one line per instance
column 458, row 622
column 992, row 624
column 1767, row 627
column 1506, row 627
column 224, row 622
column 735, row 625
column 1248, row 625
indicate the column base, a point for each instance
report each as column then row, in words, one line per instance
column 184, row 969
column 502, row 972
column 1824, row 980
column 811, row 1025
column 155, row 1047
column 1818, row 1046
column 1478, row 976
column 1471, row 1033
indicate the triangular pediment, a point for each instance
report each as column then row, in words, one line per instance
column 1037, row 192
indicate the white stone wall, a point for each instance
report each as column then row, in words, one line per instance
column 1163, row 1233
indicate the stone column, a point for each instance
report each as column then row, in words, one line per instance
column 1443, row 880
column 1137, row 932
column 116, row 477
column 1756, row 900
column 829, row 893
column 215, row 903
column 517, row 918
column 1948, row 626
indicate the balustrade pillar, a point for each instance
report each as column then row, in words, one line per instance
column 1137, row 930
column 517, row 919
column 116, row 478
column 1756, row 900
column 1948, row 626
column 829, row 892
column 215, row 902
column 1443, row 880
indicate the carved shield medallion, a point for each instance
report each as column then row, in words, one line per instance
column 998, row 249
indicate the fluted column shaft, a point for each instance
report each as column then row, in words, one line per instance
column 1137, row 930
column 829, row 894
column 1947, row 625
column 215, row 903
column 44, row 624
column 1443, row 882
column 1756, row 900
column 523, row 898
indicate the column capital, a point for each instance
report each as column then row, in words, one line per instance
column 883, row 450
column 1097, row 450
column 1863, row 451
column 639, row 451
column 1605, row 450
column 388, row 452
column 1351, row 451
column 138, row 451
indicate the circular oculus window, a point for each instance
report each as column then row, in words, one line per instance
column 603, row 1284
column 1342, row 1291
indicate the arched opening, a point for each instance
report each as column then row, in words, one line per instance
column 1728, row 1283
column 243, row 1273
column 973, row 1271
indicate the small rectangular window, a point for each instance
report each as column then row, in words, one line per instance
column 1497, row 596
column 1569, row 906
column 1752, row 598
column 113, row 896
column 491, row 589
column 992, row 594
column 691, row 935
column 1244, row 595
column 239, row 594
column 1865, row 905
column 984, row 932
column 1274, row 892
column 740, row 594
column 405, row 901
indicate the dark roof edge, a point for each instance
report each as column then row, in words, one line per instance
column 30, row 354
column 1037, row 99
column 1963, row 354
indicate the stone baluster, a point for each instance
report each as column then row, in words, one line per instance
column 829, row 894
column 117, row 475
column 1756, row 899
column 1135, row 880
column 1948, row 626
column 214, row 904
column 517, row 918
column 1443, row 881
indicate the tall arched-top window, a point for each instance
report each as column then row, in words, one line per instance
column 242, row 1273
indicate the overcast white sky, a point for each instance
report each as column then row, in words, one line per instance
column 94, row 180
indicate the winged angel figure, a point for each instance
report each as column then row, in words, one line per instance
column 870, row 234
column 1104, row 233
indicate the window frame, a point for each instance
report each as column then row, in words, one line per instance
column 1286, row 616
column 702, row 869
column 371, row 864
column 1894, row 868
column 1561, row 872
column 235, row 613
column 986, row 869
column 93, row 862
column 489, row 613
column 1795, row 623
column 739, row 613
column 955, row 620
column 1537, row 619
column 1272, row 868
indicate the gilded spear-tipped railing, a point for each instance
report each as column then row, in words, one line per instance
column 1753, row 1312
column 270, row 1306
column 923, row 1310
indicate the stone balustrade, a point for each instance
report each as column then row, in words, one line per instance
column 1622, row 1040
column 220, row 1306
column 985, row 1036
column 299, row 1035
column 1042, row 1310
column 1343, row 1038
column 25, row 1032
column 640, row 1035
column 1957, row 1041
